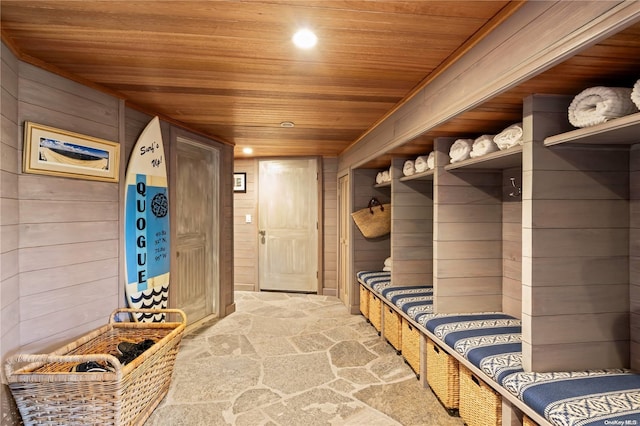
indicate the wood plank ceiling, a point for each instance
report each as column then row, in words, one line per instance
column 228, row 69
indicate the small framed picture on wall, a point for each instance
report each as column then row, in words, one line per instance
column 240, row 182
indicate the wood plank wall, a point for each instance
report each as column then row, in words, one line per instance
column 245, row 234
column 227, row 244
column 467, row 233
column 512, row 242
column 634, row 255
column 69, row 228
column 411, row 229
column 9, row 219
column 368, row 254
column 575, row 247
column 330, row 224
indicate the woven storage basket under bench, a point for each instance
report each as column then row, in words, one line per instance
column 410, row 338
column 47, row 393
column 375, row 311
column 392, row 331
column 480, row 404
column 364, row 301
column 442, row 375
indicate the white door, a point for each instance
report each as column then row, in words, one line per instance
column 344, row 221
column 288, row 225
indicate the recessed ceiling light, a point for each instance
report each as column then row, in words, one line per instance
column 305, row 39
column 287, row 124
column 247, row 150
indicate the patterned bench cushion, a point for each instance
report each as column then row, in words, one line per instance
column 490, row 341
column 596, row 397
column 375, row 280
column 411, row 300
column 498, row 360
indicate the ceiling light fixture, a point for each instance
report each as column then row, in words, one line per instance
column 305, row 39
column 287, row 124
column 247, row 150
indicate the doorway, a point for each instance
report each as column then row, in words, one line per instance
column 197, row 250
column 288, row 225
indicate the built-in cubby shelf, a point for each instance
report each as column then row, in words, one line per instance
column 620, row 131
column 426, row 175
column 382, row 185
column 498, row 160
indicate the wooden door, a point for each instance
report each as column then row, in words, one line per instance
column 288, row 225
column 344, row 220
column 195, row 286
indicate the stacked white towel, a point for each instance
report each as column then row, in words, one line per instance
column 431, row 160
column 460, row 150
column 511, row 136
column 383, row 176
column 421, row 164
column 483, row 145
column 387, row 264
column 635, row 94
column 409, row 168
column 597, row 105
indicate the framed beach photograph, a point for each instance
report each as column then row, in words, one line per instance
column 57, row 152
column 239, row 182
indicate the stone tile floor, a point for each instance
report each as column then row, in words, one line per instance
column 291, row 359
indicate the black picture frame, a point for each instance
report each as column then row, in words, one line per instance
column 240, row 182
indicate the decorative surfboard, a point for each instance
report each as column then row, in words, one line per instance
column 146, row 225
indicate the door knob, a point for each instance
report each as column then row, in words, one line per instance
column 262, row 232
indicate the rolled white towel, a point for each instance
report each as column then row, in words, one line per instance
column 379, row 178
column 511, row 136
column 421, row 164
column 386, row 176
column 387, row 261
column 635, row 94
column 387, row 269
column 460, row 150
column 483, row 145
column 409, row 168
column 431, row 160
column 597, row 105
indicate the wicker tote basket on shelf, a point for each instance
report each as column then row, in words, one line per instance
column 374, row 220
column 48, row 393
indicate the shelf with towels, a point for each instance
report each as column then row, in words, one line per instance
column 620, row 131
column 498, row 160
column 426, row 175
column 382, row 185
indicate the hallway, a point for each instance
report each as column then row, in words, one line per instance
column 293, row 359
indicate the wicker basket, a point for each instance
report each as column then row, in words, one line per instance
column 46, row 393
column 442, row 375
column 410, row 347
column 374, row 220
column 364, row 301
column 480, row 405
column 375, row 311
column 392, row 327
column 526, row 421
